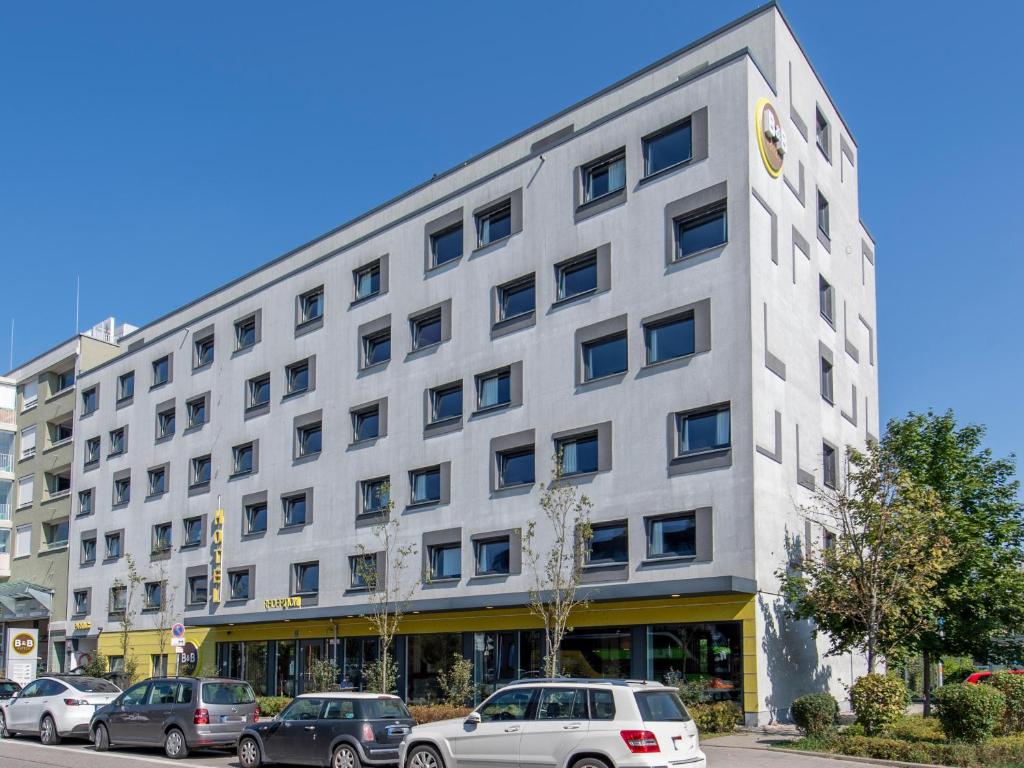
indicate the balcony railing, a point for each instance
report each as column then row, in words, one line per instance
column 6, row 462
column 5, row 510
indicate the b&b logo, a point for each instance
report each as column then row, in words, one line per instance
column 24, row 644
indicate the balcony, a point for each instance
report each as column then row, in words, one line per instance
column 5, row 511
column 6, row 462
column 8, row 418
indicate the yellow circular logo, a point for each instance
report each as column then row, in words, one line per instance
column 23, row 644
column 771, row 137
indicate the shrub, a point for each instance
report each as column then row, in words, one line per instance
column 879, row 701
column 815, row 714
column 969, row 712
column 719, row 717
column 916, row 728
column 97, row 667
column 271, row 705
column 690, row 691
column 1012, row 688
column 456, row 681
column 1006, row 750
column 431, row 713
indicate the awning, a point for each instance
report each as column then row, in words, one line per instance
column 24, row 601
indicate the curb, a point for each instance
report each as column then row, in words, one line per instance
column 852, row 759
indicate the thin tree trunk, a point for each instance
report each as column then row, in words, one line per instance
column 926, row 682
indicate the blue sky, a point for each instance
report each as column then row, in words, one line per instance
column 159, row 150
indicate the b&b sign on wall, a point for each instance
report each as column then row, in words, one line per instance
column 22, row 654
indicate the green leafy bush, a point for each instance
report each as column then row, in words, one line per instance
column 719, row 717
column 879, row 701
column 815, row 714
column 969, row 712
column 456, row 681
column 272, row 705
column 1005, row 752
column 431, row 713
column 917, row 728
column 1012, row 688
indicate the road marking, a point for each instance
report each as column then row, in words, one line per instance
column 120, row 755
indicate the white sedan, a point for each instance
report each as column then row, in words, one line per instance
column 56, row 706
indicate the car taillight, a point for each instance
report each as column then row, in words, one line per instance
column 256, row 715
column 368, row 732
column 76, row 702
column 201, row 717
column 640, row 741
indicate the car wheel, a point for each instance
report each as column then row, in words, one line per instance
column 175, row 746
column 48, row 731
column 590, row 762
column 249, row 753
column 100, row 738
column 423, row 756
column 345, row 757
column 4, row 733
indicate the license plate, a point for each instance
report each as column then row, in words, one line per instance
column 232, row 719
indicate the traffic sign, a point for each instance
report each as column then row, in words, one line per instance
column 178, row 642
column 178, row 630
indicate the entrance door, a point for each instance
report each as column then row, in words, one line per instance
column 310, row 652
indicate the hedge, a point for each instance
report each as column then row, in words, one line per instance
column 969, row 712
column 1012, row 688
column 431, row 713
column 815, row 714
column 1005, row 752
column 719, row 717
column 272, row 705
column 879, row 701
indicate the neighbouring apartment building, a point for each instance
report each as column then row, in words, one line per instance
column 37, row 404
column 666, row 284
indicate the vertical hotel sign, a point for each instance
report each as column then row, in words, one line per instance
column 771, row 137
column 218, row 555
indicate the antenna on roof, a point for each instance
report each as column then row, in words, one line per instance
column 10, row 353
column 78, row 287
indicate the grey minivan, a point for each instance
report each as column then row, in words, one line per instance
column 177, row 713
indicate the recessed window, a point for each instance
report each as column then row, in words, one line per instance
column 122, row 490
column 238, row 584
column 157, row 481
column 161, row 370
column 377, row 348
column 673, row 536
column 493, row 389
column 162, row 537
column 608, row 545
column 826, row 380
column 426, row 485
column 823, row 134
column 154, row 594
column 196, row 411
column 823, row 219
column 242, row 459
column 577, row 277
column 445, row 561
column 307, row 578
column 58, row 483
column 492, row 556
column 605, row 357
column 667, row 148
column 245, row 332
column 92, row 450
column 446, row 245
column 828, row 539
column 255, row 517
column 829, row 468
column 197, row 589
column 29, row 395
column 376, row 495
column 604, row 177
column 446, row 403
column 295, row 510
column 28, row 442
column 367, row 281
column 516, row 467
column 118, row 441
column 61, row 431
column 82, row 597
column 366, row 424
column 310, row 439
column 126, row 386
column 85, row 502
column 362, row 571
column 495, row 224
column 192, row 532
column 90, row 400
column 258, row 391
column 516, row 299
column 669, row 339
column 297, row 376
column 577, row 454
column 201, row 469
column 112, row 542
column 56, row 534
column 826, row 299
column 701, row 232
column 65, row 380
column 118, row 599
column 426, row 330
column 203, row 351
column 703, row 430
column 165, row 423
column 311, row 306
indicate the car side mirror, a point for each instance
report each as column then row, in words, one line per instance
column 473, row 718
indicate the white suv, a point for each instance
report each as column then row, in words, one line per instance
column 563, row 723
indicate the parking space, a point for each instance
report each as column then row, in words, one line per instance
column 29, row 753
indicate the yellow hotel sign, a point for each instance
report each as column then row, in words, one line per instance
column 218, row 552
column 282, row 602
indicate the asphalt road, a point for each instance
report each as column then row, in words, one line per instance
column 28, row 753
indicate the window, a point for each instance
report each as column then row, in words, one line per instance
column 197, row 590
column 826, row 380
column 58, row 483
column 829, row 470
column 609, row 544
column 367, row 279
column 295, row 510
column 195, row 409
column 446, row 245
column 445, row 561
column 426, row 485
column 126, row 386
column 510, row 704
column 426, row 330
column 165, row 423
column 701, row 231
column 669, row 339
column 258, row 391
column 154, row 594
column 255, row 518
column 201, row 467
column 157, row 481
column 823, row 134
column 26, row 490
column 92, row 450
column 81, row 601
column 495, row 224
column 493, row 389
column 667, row 148
column 826, row 299
column 56, row 534
column 245, row 334
column 29, row 395
column 366, row 424
column 297, row 376
column 706, row 430
column 605, row 357
column 828, row 539
column 238, row 582
column 5, row 541
column 23, row 540
column 492, row 556
column 65, row 380
column 117, row 442
column 516, row 299
column 362, row 571
column 602, row 705
column 446, row 403
column 604, row 177
column 307, row 578
column 823, row 224
column 203, row 351
column 161, row 370
column 60, row 432
column 161, row 538
column 562, row 704
column 577, row 277
column 112, row 542
column 242, row 459
column 376, row 495
column 122, row 490
column 90, row 400
column 515, row 467
column 376, row 348
column 192, row 532
column 118, row 598
column 673, row 536
column 311, row 306
column 309, row 439
column 28, row 442
column 578, row 454
column 85, row 502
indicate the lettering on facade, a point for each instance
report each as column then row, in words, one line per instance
column 282, row 602
column 771, row 137
column 218, row 554
column 24, row 644
column 83, row 625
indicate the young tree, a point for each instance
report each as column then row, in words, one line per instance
column 557, row 570
column 165, row 615
column 130, row 585
column 874, row 589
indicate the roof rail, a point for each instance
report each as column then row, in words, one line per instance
column 580, row 681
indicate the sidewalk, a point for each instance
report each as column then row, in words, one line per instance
column 759, row 738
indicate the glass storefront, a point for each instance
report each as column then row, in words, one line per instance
column 284, row 668
column 706, row 654
column 426, row 655
column 605, row 652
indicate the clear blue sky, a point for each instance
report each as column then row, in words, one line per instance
column 159, row 150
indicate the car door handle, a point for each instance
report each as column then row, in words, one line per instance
column 571, row 727
column 309, row 728
column 512, row 729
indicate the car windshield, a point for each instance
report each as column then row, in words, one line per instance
column 383, row 709
column 661, row 707
column 228, row 693
column 9, row 688
column 93, row 685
